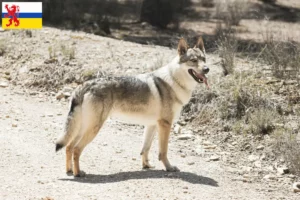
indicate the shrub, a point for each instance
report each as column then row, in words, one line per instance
column 232, row 11
column 262, row 121
column 286, row 145
column 236, row 11
column 205, row 114
column 227, row 47
column 89, row 74
column 52, row 52
column 68, row 51
column 235, row 96
column 207, row 3
column 161, row 12
column 50, row 78
column 283, row 57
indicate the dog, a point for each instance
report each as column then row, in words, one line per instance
column 153, row 99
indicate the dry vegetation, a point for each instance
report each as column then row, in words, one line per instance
column 283, row 57
column 244, row 99
column 252, row 101
column 286, row 145
column 207, row 3
column 262, row 121
column 227, row 47
column 232, row 11
column 245, row 103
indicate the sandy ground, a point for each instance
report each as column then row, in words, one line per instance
column 30, row 121
column 30, row 168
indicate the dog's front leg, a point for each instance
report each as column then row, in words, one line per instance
column 164, row 128
column 149, row 133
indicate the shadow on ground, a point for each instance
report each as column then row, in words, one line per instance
column 275, row 12
column 149, row 174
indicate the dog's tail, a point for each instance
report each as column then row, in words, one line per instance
column 73, row 123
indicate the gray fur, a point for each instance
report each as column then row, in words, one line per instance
column 193, row 54
column 153, row 100
column 166, row 93
column 130, row 90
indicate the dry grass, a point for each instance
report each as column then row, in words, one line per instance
column 52, row 77
column 232, row 99
column 231, row 11
column 287, row 145
column 283, row 57
column 52, row 52
column 236, row 11
column 55, row 72
column 203, row 105
column 205, row 114
column 89, row 74
column 262, row 121
column 242, row 100
column 68, row 51
column 249, row 105
column 227, row 47
column 240, row 94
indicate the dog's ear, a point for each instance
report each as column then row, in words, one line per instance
column 200, row 44
column 182, row 47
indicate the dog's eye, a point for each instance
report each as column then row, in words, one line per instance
column 194, row 60
column 202, row 58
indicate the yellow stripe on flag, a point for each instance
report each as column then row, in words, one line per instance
column 25, row 23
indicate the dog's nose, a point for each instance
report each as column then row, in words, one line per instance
column 205, row 69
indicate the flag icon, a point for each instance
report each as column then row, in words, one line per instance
column 22, row 15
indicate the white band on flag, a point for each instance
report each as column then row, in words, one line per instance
column 25, row 7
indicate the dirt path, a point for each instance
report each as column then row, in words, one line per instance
column 30, row 168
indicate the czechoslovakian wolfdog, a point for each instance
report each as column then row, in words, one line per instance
column 154, row 99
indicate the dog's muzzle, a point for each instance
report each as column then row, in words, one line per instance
column 205, row 69
column 199, row 77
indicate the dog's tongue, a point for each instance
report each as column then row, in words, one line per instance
column 204, row 79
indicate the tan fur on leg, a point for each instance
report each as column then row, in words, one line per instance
column 149, row 133
column 69, row 153
column 164, row 128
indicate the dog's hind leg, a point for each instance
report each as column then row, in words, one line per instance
column 69, row 155
column 93, row 117
column 70, row 145
column 149, row 133
column 164, row 128
column 88, row 135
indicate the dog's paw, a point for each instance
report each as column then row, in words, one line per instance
column 80, row 174
column 173, row 169
column 148, row 166
column 69, row 172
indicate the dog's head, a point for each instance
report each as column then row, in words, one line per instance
column 193, row 60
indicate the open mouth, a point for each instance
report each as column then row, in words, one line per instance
column 200, row 78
